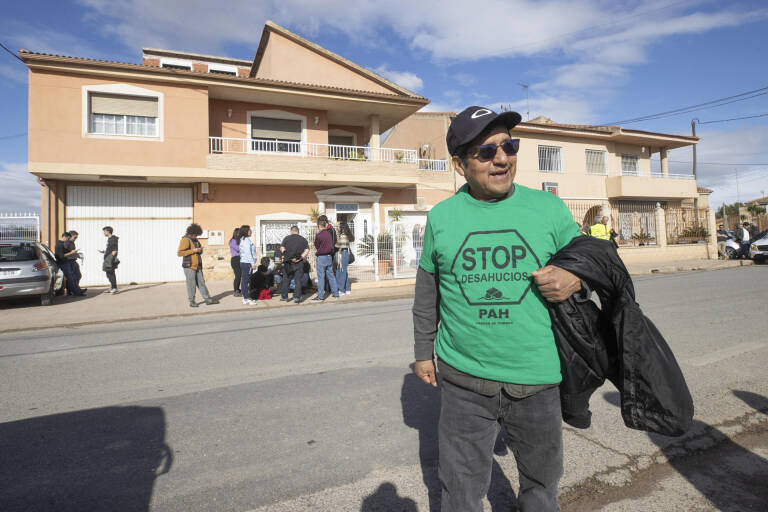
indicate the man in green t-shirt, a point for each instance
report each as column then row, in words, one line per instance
column 480, row 307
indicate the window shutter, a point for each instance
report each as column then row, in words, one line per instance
column 119, row 105
column 281, row 129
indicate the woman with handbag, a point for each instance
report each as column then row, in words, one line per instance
column 345, row 257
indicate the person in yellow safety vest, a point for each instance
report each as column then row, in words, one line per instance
column 600, row 229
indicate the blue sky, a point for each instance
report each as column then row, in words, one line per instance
column 586, row 61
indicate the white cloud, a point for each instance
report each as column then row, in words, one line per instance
column 19, row 190
column 442, row 107
column 406, row 79
column 14, row 73
column 717, row 152
column 44, row 39
column 465, row 79
column 599, row 41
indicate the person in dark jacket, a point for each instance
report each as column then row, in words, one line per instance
column 262, row 281
column 65, row 254
column 324, row 247
column 73, row 235
column 110, row 258
column 294, row 250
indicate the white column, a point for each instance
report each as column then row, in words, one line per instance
column 375, row 141
column 661, row 227
column 664, row 162
column 712, row 228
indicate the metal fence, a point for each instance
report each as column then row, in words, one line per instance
column 634, row 221
column 393, row 253
column 19, row 226
column 686, row 225
column 585, row 212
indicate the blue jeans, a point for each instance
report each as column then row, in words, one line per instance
column 325, row 268
column 68, row 269
column 744, row 249
column 246, row 269
column 467, row 429
column 342, row 276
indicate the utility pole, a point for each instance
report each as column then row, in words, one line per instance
column 527, row 102
column 693, row 146
column 738, row 200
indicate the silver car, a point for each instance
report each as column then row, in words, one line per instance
column 29, row 268
column 758, row 249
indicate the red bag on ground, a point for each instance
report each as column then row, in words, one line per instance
column 265, row 294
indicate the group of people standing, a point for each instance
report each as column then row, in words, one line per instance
column 290, row 267
column 67, row 255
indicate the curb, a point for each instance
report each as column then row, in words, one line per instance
column 671, row 269
column 242, row 309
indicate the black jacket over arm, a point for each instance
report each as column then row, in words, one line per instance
column 615, row 342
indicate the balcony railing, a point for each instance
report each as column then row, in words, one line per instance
column 653, row 174
column 218, row 145
column 432, row 165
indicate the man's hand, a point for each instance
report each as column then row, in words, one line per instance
column 425, row 370
column 556, row 284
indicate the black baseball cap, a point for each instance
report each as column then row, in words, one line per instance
column 472, row 121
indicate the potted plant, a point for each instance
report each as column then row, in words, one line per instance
column 383, row 246
column 642, row 238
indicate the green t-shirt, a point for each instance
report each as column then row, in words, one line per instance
column 494, row 323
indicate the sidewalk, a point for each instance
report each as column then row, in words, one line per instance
column 148, row 301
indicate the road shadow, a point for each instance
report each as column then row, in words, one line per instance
column 128, row 288
column 421, row 411
column 97, row 459
column 385, row 499
column 727, row 474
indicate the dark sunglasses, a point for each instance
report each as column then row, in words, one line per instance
column 488, row 151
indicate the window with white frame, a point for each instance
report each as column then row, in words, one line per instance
column 629, row 165
column 117, row 114
column 550, row 159
column 595, row 161
column 550, row 187
column 275, row 135
column 222, row 69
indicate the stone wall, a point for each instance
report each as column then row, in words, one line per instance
column 216, row 263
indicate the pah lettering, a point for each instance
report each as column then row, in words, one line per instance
column 494, row 313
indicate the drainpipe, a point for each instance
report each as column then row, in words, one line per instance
column 693, row 146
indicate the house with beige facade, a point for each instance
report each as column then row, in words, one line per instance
column 150, row 147
column 596, row 170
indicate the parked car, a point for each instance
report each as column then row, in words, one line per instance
column 27, row 269
column 758, row 249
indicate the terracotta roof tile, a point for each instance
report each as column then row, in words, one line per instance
column 27, row 53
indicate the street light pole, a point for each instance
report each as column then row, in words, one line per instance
column 693, row 146
column 527, row 102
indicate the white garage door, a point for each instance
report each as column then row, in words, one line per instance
column 149, row 222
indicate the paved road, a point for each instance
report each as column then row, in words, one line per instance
column 270, row 411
